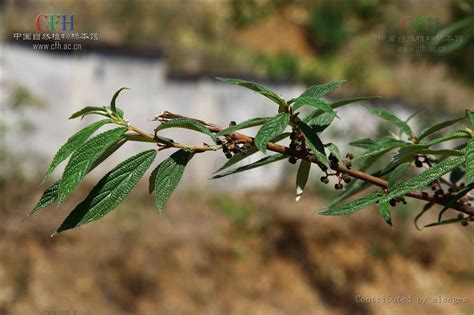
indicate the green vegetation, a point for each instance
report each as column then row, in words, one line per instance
column 238, row 212
column 414, row 149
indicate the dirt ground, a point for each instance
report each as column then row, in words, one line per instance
column 249, row 253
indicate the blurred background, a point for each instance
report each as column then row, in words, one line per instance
column 237, row 245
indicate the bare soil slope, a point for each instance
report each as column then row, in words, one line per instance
column 256, row 253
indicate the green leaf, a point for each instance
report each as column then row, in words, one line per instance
column 435, row 128
column 324, row 120
column 110, row 191
column 48, row 197
column 343, row 102
column 425, row 178
column 442, row 152
column 73, row 143
column 453, row 45
column 245, row 124
column 169, row 174
column 313, row 102
column 110, row 150
column 455, row 28
column 351, row 190
column 405, row 155
column 363, row 143
column 353, row 206
column 369, row 143
column 388, row 116
column 470, row 162
column 302, row 178
column 152, row 180
column 382, row 148
column 471, row 116
column 187, row 123
column 334, row 150
column 51, row 193
column 84, row 158
column 270, row 129
column 119, row 112
column 114, row 99
column 261, row 162
column 396, row 174
column 313, row 142
column 461, row 147
column 456, row 134
column 88, row 111
column 255, row 87
column 315, row 113
column 384, row 210
column 413, row 116
column 318, row 91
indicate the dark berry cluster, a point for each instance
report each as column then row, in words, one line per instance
column 230, row 146
column 340, row 176
column 334, row 161
column 297, row 140
column 442, row 193
column 348, row 160
column 422, row 159
column 439, row 191
column 393, row 202
column 297, row 144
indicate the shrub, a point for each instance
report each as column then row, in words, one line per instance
column 388, row 186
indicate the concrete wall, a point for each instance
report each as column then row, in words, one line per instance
column 66, row 83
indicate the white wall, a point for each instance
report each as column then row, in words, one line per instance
column 67, row 83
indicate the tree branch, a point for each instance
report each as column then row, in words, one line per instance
column 421, row 195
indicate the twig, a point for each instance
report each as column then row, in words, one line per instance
column 421, row 195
